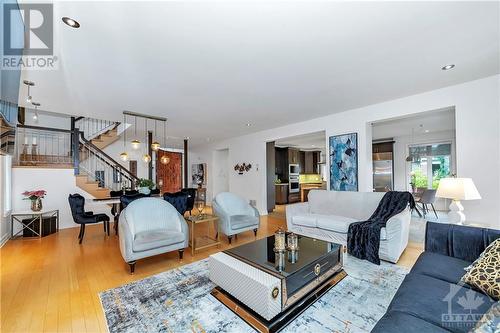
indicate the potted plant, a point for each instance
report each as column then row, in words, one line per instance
column 145, row 185
column 36, row 199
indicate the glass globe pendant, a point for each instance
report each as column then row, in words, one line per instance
column 155, row 146
column 146, row 158
column 136, row 144
column 164, row 159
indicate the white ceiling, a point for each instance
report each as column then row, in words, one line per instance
column 213, row 67
column 423, row 124
column 311, row 141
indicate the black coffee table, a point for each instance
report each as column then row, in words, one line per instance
column 305, row 276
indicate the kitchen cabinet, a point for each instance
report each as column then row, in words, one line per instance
column 281, row 163
column 293, row 156
column 312, row 158
column 302, row 161
column 293, row 197
column 281, row 194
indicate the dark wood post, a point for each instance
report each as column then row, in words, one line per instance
column 186, row 163
column 75, row 150
column 150, row 153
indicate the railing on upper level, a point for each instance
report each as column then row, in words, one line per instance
column 52, row 147
column 92, row 128
column 42, row 146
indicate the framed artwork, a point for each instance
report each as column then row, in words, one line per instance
column 343, row 152
column 199, row 174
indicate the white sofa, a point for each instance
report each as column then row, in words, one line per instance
column 328, row 214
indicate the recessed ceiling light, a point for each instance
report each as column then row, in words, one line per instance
column 72, row 23
column 248, row 125
column 426, row 131
column 447, row 67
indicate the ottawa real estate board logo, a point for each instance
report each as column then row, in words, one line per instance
column 28, row 36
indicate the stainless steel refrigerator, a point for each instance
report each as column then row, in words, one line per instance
column 383, row 172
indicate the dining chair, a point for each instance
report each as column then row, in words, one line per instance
column 428, row 198
column 81, row 217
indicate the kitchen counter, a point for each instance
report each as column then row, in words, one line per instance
column 305, row 188
column 281, row 184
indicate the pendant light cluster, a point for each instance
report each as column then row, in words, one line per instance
column 29, row 99
column 136, row 143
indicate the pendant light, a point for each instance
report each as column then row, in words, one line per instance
column 35, row 115
column 29, row 99
column 409, row 158
column 155, row 145
column 124, row 155
column 136, row 144
column 165, row 159
column 146, row 157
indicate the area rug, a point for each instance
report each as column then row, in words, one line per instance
column 179, row 300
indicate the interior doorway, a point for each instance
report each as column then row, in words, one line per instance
column 221, row 171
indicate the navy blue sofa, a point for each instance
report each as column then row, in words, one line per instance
column 431, row 297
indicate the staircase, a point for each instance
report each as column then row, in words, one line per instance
column 81, row 149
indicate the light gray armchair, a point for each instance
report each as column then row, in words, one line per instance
column 235, row 214
column 151, row 226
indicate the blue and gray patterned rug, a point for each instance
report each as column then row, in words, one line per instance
column 179, row 300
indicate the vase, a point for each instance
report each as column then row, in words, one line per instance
column 144, row 190
column 36, row 205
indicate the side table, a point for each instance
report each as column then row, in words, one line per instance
column 200, row 243
column 34, row 218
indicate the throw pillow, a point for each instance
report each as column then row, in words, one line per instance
column 490, row 321
column 480, row 256
column 485, row 274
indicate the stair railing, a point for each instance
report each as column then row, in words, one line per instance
column 100, row 167
column 92, row 127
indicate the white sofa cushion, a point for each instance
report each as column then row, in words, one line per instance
column 335, row 223
column 356, row 205
column 308, row 220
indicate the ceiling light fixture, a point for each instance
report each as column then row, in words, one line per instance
column 29, row 99
column 70, row 22
column 164, row 159
column 136, row 144
column 124, row 155
column 248, row 124
column 447, row 67
column 35, row 116
column 155, row 146
column 146, row 157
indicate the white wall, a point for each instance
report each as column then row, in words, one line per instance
column 221, row 171
column 477, row 112
column 5, row 193
column 58, row 183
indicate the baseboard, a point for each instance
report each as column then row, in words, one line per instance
column 4, row 239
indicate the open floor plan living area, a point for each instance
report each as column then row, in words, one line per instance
column 249, row 166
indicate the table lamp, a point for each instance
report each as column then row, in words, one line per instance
column 457, row 189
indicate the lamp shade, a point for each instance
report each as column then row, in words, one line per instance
column 457, row 189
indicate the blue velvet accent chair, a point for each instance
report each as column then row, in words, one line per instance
column 178, row 200
column 191, row 192
column 81, row 217
column 432, row 295
column 235, row 214
column 148, row 227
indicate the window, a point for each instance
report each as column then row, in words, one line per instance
column 430, row 163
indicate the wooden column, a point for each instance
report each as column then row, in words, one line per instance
column 185, row 163
column 150, row 153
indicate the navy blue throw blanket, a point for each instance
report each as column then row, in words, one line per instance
column 363, row 238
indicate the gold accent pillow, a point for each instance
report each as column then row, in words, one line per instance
column 485, row 272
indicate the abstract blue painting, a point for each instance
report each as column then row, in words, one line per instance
column 344, row 162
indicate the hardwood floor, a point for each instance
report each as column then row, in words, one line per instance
column 52, row 284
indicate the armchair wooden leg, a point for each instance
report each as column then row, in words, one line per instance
column 229, row 239
column 181, row 254
column 104, row 226
column 107, row 227
column 255, row 232
column 82, row 232
column 116, row 226
column 132, row 266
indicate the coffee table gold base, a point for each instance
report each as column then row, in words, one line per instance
column 283, row 319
